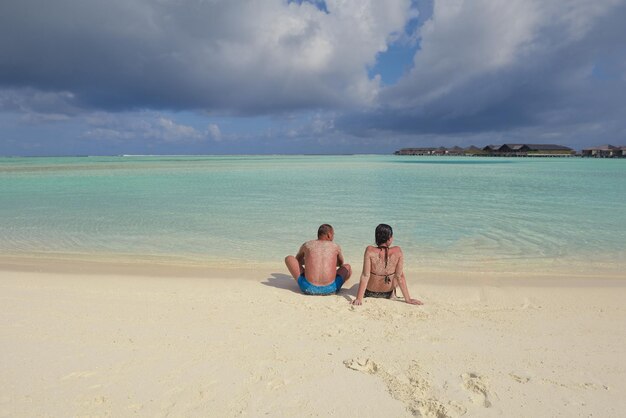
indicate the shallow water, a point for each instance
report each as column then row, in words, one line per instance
column 512, row 214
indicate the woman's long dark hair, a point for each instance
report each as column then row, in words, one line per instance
column 383, row 233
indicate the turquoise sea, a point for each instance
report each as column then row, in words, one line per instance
column 448, row 213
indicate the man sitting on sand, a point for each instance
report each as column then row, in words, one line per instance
column 325, row 271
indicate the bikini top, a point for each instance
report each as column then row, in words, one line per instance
column 386, row 276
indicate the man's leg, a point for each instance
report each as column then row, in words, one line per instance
column 294, row 267
column 345, row 272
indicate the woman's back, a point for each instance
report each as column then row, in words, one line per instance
column 382, row 269
column 384, row 264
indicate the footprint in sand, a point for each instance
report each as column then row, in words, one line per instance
column 411, row 389
column 384, row 310
column 78, row 375
column 478, row 386
column 519, row 378
column 571, row 385
column 362, row 365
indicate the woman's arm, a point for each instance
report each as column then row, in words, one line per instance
column 399, row 276
column 365, row 278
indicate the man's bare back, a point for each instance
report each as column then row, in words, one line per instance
column 321, row 259
column 319, row 267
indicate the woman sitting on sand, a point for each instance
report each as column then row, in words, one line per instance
column 382, row 270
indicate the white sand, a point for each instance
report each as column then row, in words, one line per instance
column 248, row 343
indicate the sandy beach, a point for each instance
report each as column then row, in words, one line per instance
column 113, row 341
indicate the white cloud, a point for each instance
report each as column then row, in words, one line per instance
column 170, row 131
column 141, row 126
column 214, row 132
column 465, row 40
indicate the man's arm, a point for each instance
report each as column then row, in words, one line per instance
column 300, row 256
column 340, row 260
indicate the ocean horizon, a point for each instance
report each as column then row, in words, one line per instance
column 448, row 213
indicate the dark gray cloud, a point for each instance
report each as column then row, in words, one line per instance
column 225, row 56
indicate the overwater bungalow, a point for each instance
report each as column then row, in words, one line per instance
column 490, row 149
column 473, row 150
column 500, row 150
column 529, row 150
column 455, row 151
column 604, row 151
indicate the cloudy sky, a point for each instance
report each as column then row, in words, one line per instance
column 109, row 77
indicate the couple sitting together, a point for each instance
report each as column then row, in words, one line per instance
column 319, row 267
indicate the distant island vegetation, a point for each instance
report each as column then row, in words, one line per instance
column 518, row 150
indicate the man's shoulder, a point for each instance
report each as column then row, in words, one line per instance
column 316, row 243
column 311, row 243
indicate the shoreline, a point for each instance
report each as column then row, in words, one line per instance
column 164, row 267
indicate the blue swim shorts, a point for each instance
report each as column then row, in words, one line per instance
column 311, row 289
